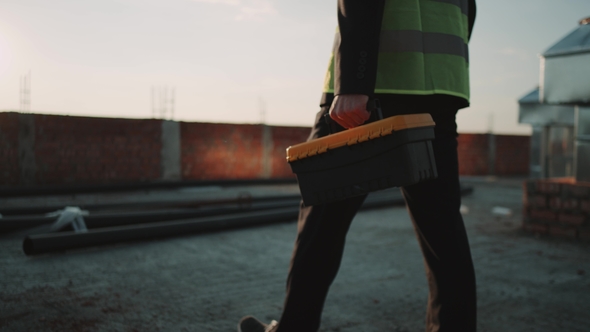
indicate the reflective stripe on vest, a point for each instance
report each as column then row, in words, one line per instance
column 423, row 49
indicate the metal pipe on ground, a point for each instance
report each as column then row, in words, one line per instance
column 98, row 220
column 44, row 243
column 137, row 217
column 244, row 197
column 16, row 211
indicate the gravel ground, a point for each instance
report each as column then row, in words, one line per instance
column 207, row 282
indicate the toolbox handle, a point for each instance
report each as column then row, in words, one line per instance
column 372, row 105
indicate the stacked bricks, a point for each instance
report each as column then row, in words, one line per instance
column 559, row 207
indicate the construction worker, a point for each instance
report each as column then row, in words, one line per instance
column 412, row 55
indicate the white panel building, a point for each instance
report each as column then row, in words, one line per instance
column 559, row 109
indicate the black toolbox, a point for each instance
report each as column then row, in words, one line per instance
column 392, row 152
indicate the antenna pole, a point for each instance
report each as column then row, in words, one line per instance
column 172, row 103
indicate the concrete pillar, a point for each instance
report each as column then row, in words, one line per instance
column 26, row 148
column 267, row 146
column 170, row 153
column 582, row 144
column 491, row 154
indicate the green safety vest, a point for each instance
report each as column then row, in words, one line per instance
column 423, row 49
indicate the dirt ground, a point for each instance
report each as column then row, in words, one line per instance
column 206, row 282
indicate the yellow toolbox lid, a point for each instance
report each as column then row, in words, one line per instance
column 358, row 135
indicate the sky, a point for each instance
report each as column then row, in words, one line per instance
column 241, row 61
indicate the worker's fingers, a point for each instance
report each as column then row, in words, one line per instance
column 335, row 114
column 362, row 114
column 341, row 115
column 344, row 122
column 349, row 111
column 352, row 118
column 355, row 116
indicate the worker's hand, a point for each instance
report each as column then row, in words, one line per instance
column 350, row 111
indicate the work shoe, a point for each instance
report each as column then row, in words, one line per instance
column 251, row 324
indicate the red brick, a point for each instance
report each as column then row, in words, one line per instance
column 538, row 201
column 548, row 187
column 96, row 150
column 473, row 154
column 570, row 204
column 545, row 215
column 555, row 202
column 563, row 231
column 535, row 228
column 9, row 168
column 221, row 151
column 572, row 219
column 526, row 214
column 529, row 187
column 512, row 155
column 582, row 190
column 283, row 137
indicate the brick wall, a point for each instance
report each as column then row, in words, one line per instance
column 559, row 207
column 509, row 156
column 70, row 149
column 84, row 150
column 283, row 137
column 473, row 150
column 224, row 151
column 220, row 151
column 512, row 155
column 9, row 165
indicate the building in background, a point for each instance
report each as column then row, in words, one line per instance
column 552, row 138
column 557, row 202
column 559, row 109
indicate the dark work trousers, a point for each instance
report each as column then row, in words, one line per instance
column 434, row 210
